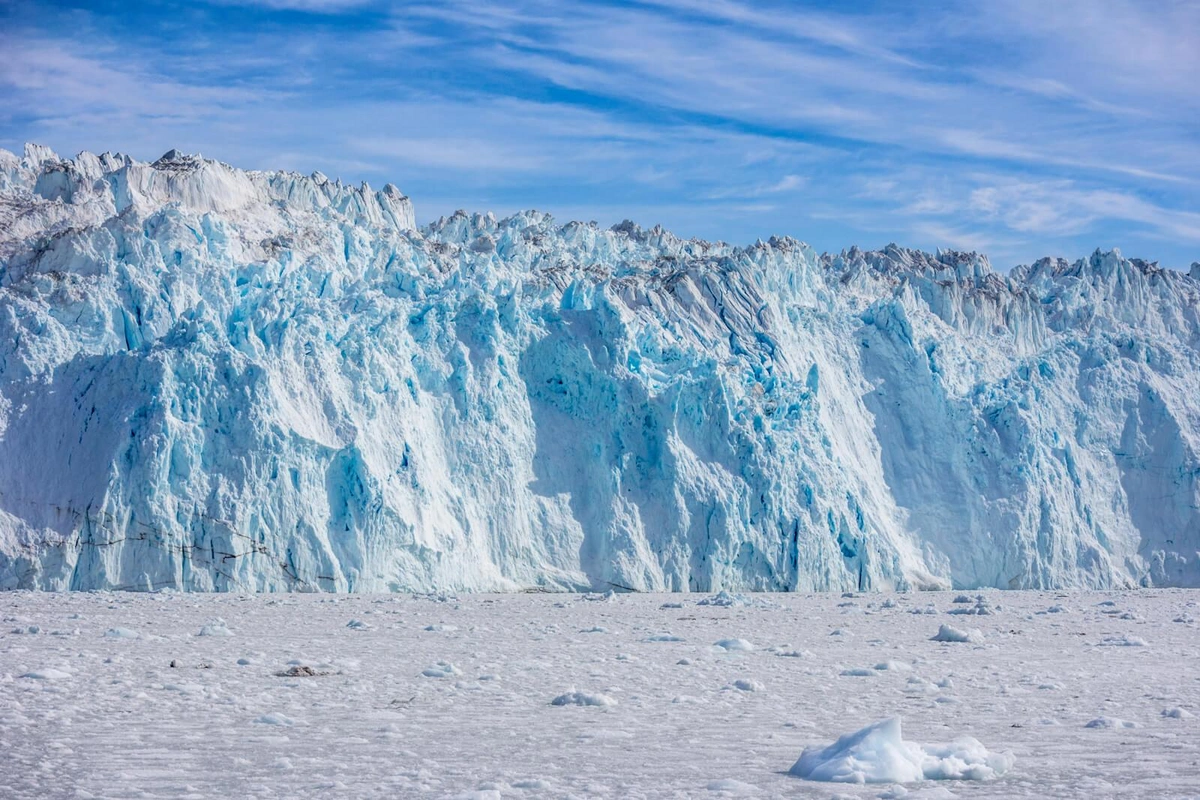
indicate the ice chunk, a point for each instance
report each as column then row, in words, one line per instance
column 574, row 698
column 724, row 599
column 730, row 786
column 734, row 645
column 215, row 627
column 122, row 633
column 878, row 754
column 1111, row 723
column 442, row 669
column 1122, row 641
column 48, row 674
column 948, row 634
column 275, row 718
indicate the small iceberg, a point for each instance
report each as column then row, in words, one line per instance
column 878, row 754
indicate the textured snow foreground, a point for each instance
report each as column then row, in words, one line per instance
column 217, row 379
column 1082, row 695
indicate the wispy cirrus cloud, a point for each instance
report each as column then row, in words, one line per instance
column 1014, row 125
column 1062, row 207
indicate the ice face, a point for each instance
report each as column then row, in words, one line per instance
column 214, row 379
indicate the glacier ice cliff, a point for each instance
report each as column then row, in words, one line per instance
column 213, row 379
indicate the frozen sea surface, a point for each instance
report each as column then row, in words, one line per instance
column 1091, row 694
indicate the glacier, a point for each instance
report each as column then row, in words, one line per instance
column 214, row 379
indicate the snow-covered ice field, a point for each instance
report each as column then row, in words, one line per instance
column 543, row 695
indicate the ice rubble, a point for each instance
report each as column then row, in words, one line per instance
column 878, row 754
column 219, row 379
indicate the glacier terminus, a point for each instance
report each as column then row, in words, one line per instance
column 214, row 379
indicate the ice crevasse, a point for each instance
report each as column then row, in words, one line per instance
column 216, row 379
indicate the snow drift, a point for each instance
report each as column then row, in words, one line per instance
column 214, row 379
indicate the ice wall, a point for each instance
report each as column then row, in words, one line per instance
column 213, row 379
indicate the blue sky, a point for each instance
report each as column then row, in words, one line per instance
column 1019, row 128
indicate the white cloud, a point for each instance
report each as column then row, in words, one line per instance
column 60, row 74
column 1060, row 208
column 456, row 153
column 784, row 185
column 1119, row 46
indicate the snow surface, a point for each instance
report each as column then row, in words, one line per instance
column 230, row 380
column 293, row 703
